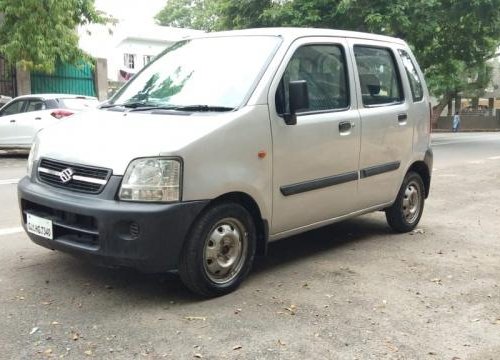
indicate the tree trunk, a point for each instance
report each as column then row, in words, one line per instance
column 438, row 109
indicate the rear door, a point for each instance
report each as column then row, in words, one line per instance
column 9, row 117
column 386, row 127
column 315, row 162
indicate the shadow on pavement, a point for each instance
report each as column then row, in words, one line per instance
column 14, row 154
column 328, row 238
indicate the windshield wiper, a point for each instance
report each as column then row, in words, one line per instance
column 140, row 106
column 132, row 105
column 204, row 108
column 184, row 108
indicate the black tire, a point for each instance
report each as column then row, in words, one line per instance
column 197, row 267
column 399, row 217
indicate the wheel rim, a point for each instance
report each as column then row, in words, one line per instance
column 412, row 202
column 225, row 250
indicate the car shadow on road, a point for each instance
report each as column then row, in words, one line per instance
column 326, row 239
column 14, row 154
column 159, row 289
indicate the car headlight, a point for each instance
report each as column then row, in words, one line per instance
column 152, row 179
column 32, row 157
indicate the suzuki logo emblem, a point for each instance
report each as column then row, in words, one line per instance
column 66, row 175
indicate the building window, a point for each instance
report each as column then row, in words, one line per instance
column 129, row 61
column 146, row 59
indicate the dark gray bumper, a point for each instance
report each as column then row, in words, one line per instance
column 148, row 237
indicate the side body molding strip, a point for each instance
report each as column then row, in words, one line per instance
column 319, row 183
column 316, row 184
column 380, row 169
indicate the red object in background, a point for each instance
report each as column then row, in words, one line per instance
column 59, row 114
column 126, row 76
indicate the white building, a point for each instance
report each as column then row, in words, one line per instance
column 128, row 46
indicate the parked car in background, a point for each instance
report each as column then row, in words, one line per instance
column 24, row 116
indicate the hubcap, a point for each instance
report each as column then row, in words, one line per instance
column 225, row 250
column 412, row 202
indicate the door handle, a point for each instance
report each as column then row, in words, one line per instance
column 13, row 121
column 402, row 119
column 38, row 118
column 346, row 126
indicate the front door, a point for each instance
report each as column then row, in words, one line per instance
column 315, row 162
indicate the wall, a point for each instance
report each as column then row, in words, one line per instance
column 471, row 122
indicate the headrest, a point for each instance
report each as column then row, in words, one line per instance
column 370, row 84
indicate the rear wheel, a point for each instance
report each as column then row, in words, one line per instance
column 404, row 215
column 219, row 250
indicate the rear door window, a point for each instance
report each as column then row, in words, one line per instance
column 323, row 67
column 378, row 76
column 417, row 89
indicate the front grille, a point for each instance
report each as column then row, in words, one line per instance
column 80, row 178
column 67, row 226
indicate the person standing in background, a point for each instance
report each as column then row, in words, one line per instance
column 456, row 122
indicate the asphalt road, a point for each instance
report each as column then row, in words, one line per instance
column 354, row 290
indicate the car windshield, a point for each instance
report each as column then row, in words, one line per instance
column 210, row 72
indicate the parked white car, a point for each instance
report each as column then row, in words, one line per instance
column 23, row 117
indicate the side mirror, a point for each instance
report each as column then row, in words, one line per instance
column 298, row 99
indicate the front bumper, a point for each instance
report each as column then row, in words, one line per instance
column 148, row 237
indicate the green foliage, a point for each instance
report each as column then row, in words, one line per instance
column 213, row 15
column 451, row 38
column 35, row 34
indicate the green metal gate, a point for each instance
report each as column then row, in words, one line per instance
column 67, row 79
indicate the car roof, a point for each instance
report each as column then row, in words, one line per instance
column 55, row 96
column 291, row 34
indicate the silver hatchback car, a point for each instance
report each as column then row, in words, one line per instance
column 228, row 141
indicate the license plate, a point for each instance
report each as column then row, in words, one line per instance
column 39, row 226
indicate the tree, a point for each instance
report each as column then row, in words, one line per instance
column 452, row 39
column 35, row 34
column 213, row 15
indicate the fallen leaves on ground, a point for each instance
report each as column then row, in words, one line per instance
column 292, row 309
column 417, row 231
column 194, row 318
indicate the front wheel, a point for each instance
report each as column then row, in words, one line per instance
column 219, row 250
column 404, row 215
